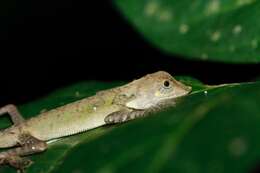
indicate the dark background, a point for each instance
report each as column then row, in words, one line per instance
column 49, row 44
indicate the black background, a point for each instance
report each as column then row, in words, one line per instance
column 53, row 43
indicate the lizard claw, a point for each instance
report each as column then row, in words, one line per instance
column 17, row 162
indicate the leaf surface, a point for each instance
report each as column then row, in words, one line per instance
column 214, row 30
column 215, row 129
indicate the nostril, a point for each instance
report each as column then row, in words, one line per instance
column 189, row 88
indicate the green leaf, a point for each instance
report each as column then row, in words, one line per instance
column 214, row 30
column 215, row 129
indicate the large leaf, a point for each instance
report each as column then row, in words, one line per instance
column 218, row 30
column 215, row 129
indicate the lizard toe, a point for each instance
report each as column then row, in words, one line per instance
column 18, row 162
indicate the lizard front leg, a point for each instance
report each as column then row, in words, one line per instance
column 13, row 112
column 28, row 145
column 123, row 116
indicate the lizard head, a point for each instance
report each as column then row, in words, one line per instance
column 154, row 89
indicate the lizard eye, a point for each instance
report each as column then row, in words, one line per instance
column 166, row 84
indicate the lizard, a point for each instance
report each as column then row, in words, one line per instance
column 117, row 105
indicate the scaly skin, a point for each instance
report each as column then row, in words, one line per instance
column 70, row 119
column 111, row 106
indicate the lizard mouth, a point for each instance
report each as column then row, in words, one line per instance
column 187, row 88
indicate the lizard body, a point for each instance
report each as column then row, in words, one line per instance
column 110, row 106
column 69, row 119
